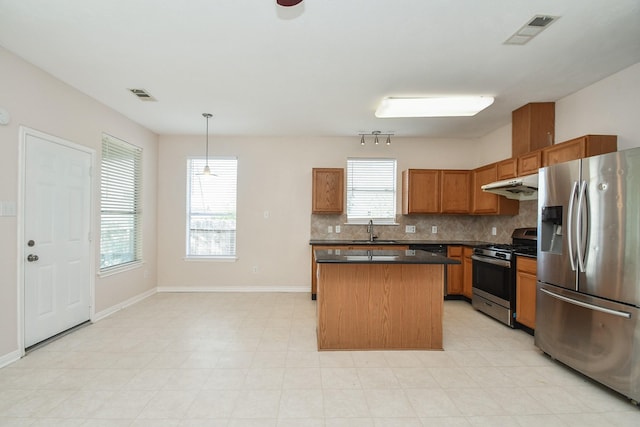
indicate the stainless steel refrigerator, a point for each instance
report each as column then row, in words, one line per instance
column 588, row 293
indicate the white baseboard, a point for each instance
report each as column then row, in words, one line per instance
column 9, row 358
column 109, row 311
column 303, row 288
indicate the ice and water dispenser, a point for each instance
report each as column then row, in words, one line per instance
column 551, row 238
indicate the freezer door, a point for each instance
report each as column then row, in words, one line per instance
column 557, row 203
column 596, row 337
column 610, row 249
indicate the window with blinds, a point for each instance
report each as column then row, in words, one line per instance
column 120, row 204
column 371, row 190
column 211, row 208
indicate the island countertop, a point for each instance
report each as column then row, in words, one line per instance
column 353, row 256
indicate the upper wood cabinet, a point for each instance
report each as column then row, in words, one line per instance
column 432, row 191
column 507, row 169
column 532, row 127
column 488, row 203
column 420, row 191
column 529, row 163
column 579, row 148
column 455, row 191
column 328, row 191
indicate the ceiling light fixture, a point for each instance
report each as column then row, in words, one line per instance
column 453, row 106
column 207, row 170
column 376, row 134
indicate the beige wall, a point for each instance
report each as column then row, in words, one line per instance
column 274, row 175
column 38, row 101
column 610, row 106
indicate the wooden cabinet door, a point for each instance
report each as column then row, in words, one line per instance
column 532, row 127
column 467, row 272
column 567, row 151
column 526, row 291
column 579, row 148
column 456, row 191
column 488, row 203
column 507, row 169
column 484, row 202
column 454, row 272
column 529, row 163
column 420, row 191
column 328, row 191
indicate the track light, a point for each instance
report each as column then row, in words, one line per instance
column 376, row 134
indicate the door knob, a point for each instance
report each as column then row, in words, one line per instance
column 32, row 258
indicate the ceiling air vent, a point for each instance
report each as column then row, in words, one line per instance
column 531, row 29
column 142, row 94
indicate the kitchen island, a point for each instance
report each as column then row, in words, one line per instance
column 380, row 299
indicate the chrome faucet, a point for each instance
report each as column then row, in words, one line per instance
column 370, row 231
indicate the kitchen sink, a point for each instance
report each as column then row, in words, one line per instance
column 371, row 257
column 373, row 242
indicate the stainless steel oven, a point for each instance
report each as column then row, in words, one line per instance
column 493, row 279
column 493, row 286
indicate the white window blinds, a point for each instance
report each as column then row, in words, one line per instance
column 211, row 208
column 371, row 190
column 120, row 203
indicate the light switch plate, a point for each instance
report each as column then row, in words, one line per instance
column 434, row 229
column 410, row 229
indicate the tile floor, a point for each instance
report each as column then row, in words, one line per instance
column 230, row 359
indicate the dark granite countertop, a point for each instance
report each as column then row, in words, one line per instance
column 353, row 256
column 323, row 242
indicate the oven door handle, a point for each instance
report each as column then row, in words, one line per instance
column 494, row 261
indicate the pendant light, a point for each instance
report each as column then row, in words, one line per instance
column 207, row 170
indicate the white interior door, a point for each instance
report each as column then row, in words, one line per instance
column 57, row 260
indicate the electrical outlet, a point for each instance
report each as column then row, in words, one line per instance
column 337, row 229
column 434, row 229
column 494, row 231
column 329, row 229
column 410, row 229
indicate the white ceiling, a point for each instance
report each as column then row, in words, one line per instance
column 319, row 68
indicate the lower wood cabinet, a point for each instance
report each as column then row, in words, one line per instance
column 454, row 271
column 526, row 269
column 467, row 271
column 314, row 264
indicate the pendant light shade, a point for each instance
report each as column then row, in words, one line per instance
column 288, row 3
column 207, row 170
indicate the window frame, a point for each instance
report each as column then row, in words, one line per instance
column 119, row 197
column 191, row 171
column 381, row 220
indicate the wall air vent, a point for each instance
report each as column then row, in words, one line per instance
column 531, row 29
column 142, row 94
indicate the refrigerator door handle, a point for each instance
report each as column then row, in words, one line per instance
column 572, row 202
column 587, row 305
column 581, row 236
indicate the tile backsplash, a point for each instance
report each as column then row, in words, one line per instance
column 450, row 227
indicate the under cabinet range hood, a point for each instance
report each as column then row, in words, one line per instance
column 521, row 188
